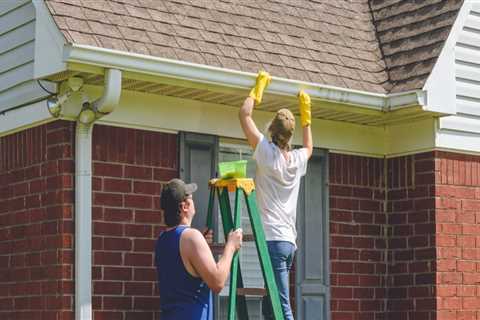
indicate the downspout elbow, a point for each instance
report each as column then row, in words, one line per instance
column 107, row 103
column 111, row 95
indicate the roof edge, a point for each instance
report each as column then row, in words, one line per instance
column 156, row 66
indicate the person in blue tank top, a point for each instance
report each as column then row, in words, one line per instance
column 186, row 269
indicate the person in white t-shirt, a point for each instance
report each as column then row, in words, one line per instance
column 279, row 170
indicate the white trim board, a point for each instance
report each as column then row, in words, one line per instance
column 461, row 132
column 25, row 93
column 25, row 117
column 410, row 138
column 440, row 85
column 162, row 113
column 458, row 141
column 49, row 43
column 149, row 111
column 170, row 114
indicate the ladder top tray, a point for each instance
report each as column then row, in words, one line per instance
column 246, row 184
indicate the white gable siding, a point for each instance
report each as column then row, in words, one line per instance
column 462, row 131
column 17, row 54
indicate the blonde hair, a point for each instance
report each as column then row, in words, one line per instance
column 281, row 129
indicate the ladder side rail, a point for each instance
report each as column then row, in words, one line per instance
column 263, row 255
column 235, row 262
column 211, row 200
column 227, row 222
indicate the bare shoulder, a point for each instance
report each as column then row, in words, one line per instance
column 192, row 242
column 192, row 236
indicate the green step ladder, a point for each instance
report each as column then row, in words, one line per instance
column 237, row 301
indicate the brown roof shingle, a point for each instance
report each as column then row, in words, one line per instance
column 330, row 42
column 412, row 34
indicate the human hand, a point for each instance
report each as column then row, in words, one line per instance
column 235, row 238
column 263, row 80
column 305, row 108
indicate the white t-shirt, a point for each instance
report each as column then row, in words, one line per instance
column 277, row 183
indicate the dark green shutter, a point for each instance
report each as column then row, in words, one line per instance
column 312, row 261
column 198, row 163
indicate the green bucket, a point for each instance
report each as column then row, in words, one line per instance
column 233, row 169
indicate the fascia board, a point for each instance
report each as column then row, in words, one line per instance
column 410, row 137
column 49, row 43
column 25, row 117
column 107, row 58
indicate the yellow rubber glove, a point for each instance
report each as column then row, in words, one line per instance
column 305, row 108
column 263, row 80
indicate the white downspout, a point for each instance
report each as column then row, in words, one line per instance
column 83, row 221
column 83, row 191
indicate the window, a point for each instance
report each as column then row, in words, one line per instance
column 249, row 263
column 199, row 155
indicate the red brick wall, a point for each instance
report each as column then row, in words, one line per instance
column 36, row 223
column 405, row 237
column 382, row 233
column 129, row 167
column 458, row 236
column 357, row 243
column 411, row 238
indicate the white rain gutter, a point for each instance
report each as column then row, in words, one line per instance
column 83, row 192
column 144, row 64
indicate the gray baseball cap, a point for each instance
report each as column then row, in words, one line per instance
column 174, row 192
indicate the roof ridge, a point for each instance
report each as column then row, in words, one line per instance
column 387, row 83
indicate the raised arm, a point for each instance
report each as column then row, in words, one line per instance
column 249, row 128
column 248, row 125
column 306, row 119
column 197, row 256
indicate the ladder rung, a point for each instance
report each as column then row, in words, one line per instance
column 258, row 292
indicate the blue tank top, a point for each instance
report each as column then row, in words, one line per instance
column 182, row 296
